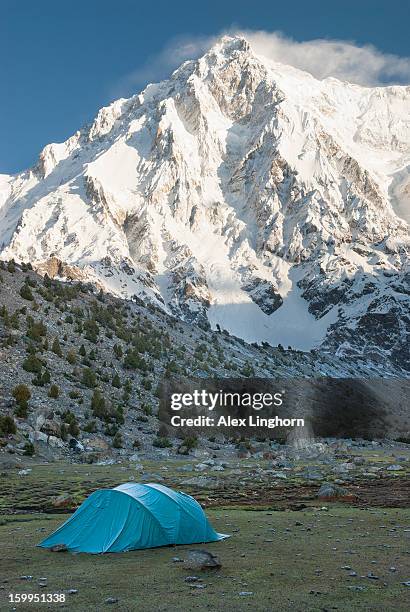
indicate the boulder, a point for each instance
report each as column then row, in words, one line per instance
column 330, row 491
column 63, row 501
column 200, row 559
column 51, row 428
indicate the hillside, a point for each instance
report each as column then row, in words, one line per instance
column 91, row 364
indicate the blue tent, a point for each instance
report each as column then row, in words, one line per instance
column 133, row 516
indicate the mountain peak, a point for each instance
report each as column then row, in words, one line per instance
column 230, row 43
column 235, row 194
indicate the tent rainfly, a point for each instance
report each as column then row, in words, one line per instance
column 133, row 516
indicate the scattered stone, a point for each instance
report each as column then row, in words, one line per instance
column 59, row 548
column 202, row 559
column 192, row 579
column 330, row 491
column 201, row 482
column 357, row 588
column 63, row 501
column 312, row 475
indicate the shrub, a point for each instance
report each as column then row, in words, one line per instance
column 71, row 357
column 32, row 364
column 90, row 427
column 73, row 429
column 98, row 405
column 21, row 393
column 54, row 392
column 189, row 443
column 118, row 351
column 161, row 442
column 40, row 380
column 74, row 394
column 21, row 411
column 7, row 426
column 116, row 382
column 28, row 449
column 117, row 441
column 147, row 384
column 36, row 330
column 91, row 330
column 56, row 348
column 89, row 379
column 26, row 293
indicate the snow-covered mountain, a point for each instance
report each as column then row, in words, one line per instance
column 241, row 193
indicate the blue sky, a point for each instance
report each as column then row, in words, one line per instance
column 62, row 60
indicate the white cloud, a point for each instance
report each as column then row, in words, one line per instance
column 337, row 58
column 347, row 61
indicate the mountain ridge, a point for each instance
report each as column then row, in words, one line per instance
column 238, row 193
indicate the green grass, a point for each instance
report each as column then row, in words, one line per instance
column 278, row 567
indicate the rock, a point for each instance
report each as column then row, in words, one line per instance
column 394, row 468
column 202, row 559
column 59, row 548
column 24, row 472
column 37, row 436
column 312, row 475
column 26, row 577
column 63, row 501
column 192, row 579
column 201, row 482
column 245, row 593
column 359, row 460
column 185, row 468
column 330, row 491
column 72, row 591
column 76, row 445
column 111, row 600
column 55, row 442
column 357, row 588
column 134, row 458
column 200, row 467
column 209, row 461
column 51, row 428
column 280, row 475
column 282, row 463
column 98, row 444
